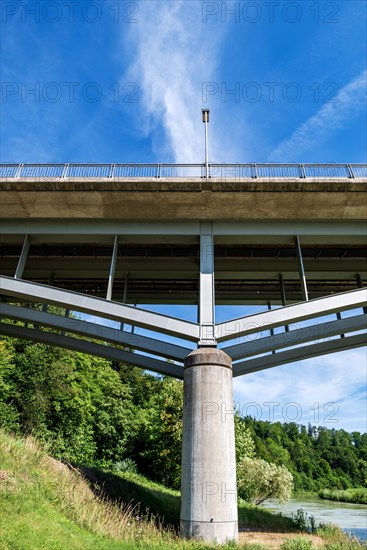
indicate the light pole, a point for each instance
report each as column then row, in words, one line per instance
column 205, row 115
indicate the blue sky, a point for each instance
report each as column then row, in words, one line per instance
column 110, row 81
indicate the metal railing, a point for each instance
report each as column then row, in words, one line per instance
column 184, row 171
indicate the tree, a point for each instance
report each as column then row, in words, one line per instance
column 160, row 437
column 258, row 480
column 9, row 416
column 245, row 445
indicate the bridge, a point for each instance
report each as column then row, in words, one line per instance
column 105, row 240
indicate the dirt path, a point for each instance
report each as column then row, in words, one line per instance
column 274, row 540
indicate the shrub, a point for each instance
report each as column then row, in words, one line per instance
column 258, row 480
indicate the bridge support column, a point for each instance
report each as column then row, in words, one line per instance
column 208, row 488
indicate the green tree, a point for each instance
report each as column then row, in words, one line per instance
column 245, row 445
column 9, row 416
column 161, row 433
column 258, row 480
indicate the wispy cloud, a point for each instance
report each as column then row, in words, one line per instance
column 328, row 390
column 348, row 103
column 174, row 52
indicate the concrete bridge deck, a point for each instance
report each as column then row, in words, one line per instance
column 180, row 199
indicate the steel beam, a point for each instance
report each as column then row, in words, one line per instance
column 299, row 354
column 23, row 258
column 297, row 336
column 241, row 268
column 25, row 290
column 95, row 331
column 111, row 276
column 124, row 296
column 256, row 231
column 282, row 292
column 99, row 228
column 271, row 330
column 301, row 268
column 360, row 285
column 339, row 317
column 270, row 229
column 290, row 314
column 206, row 286
column 91, row 348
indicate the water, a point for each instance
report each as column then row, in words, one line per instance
column 352, row 518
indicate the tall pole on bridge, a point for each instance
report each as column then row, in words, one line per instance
column 205, row 115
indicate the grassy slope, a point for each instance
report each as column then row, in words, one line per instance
column 166, row 502
column 32, row 504
column 45, row 505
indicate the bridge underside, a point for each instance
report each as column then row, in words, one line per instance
column 169, row 274
column 105, row 268
column 159, row 263
column 282, row 237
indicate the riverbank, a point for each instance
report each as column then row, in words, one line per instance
column 357, row 496
column 351, row 518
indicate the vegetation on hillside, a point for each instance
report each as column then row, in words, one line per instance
column 317, row 457
column 88, row 411
column 46, row 504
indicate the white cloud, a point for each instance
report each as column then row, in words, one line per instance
column 334, row 386
column 348, row 103
column 174, row 52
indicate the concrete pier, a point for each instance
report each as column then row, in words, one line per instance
column 208, row 488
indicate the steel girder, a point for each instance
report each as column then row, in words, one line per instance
column 257, row 231
column 302, row 335
column 74, row 301
column 253, row 324
column 299, row 354
column 84, row 346
column 291, row 314
column 95, row 331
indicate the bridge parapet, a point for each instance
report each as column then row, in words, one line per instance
column 186, row 171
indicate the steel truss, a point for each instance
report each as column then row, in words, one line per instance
column 157, row 354
column 132, row 347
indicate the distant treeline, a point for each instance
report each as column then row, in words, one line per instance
column 89, row 411
column 318, row 457
column 355, row 496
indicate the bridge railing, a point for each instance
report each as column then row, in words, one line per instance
column 186, row 171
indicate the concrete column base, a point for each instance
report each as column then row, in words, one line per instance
column 208, row 488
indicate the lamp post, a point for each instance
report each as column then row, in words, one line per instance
column 205, row 115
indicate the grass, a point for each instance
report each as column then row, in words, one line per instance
column 335, row 539
column 358, row 496
column 156, row 500
column 297, row 543
column 46, row 505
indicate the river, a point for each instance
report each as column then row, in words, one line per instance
column 352, row 518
